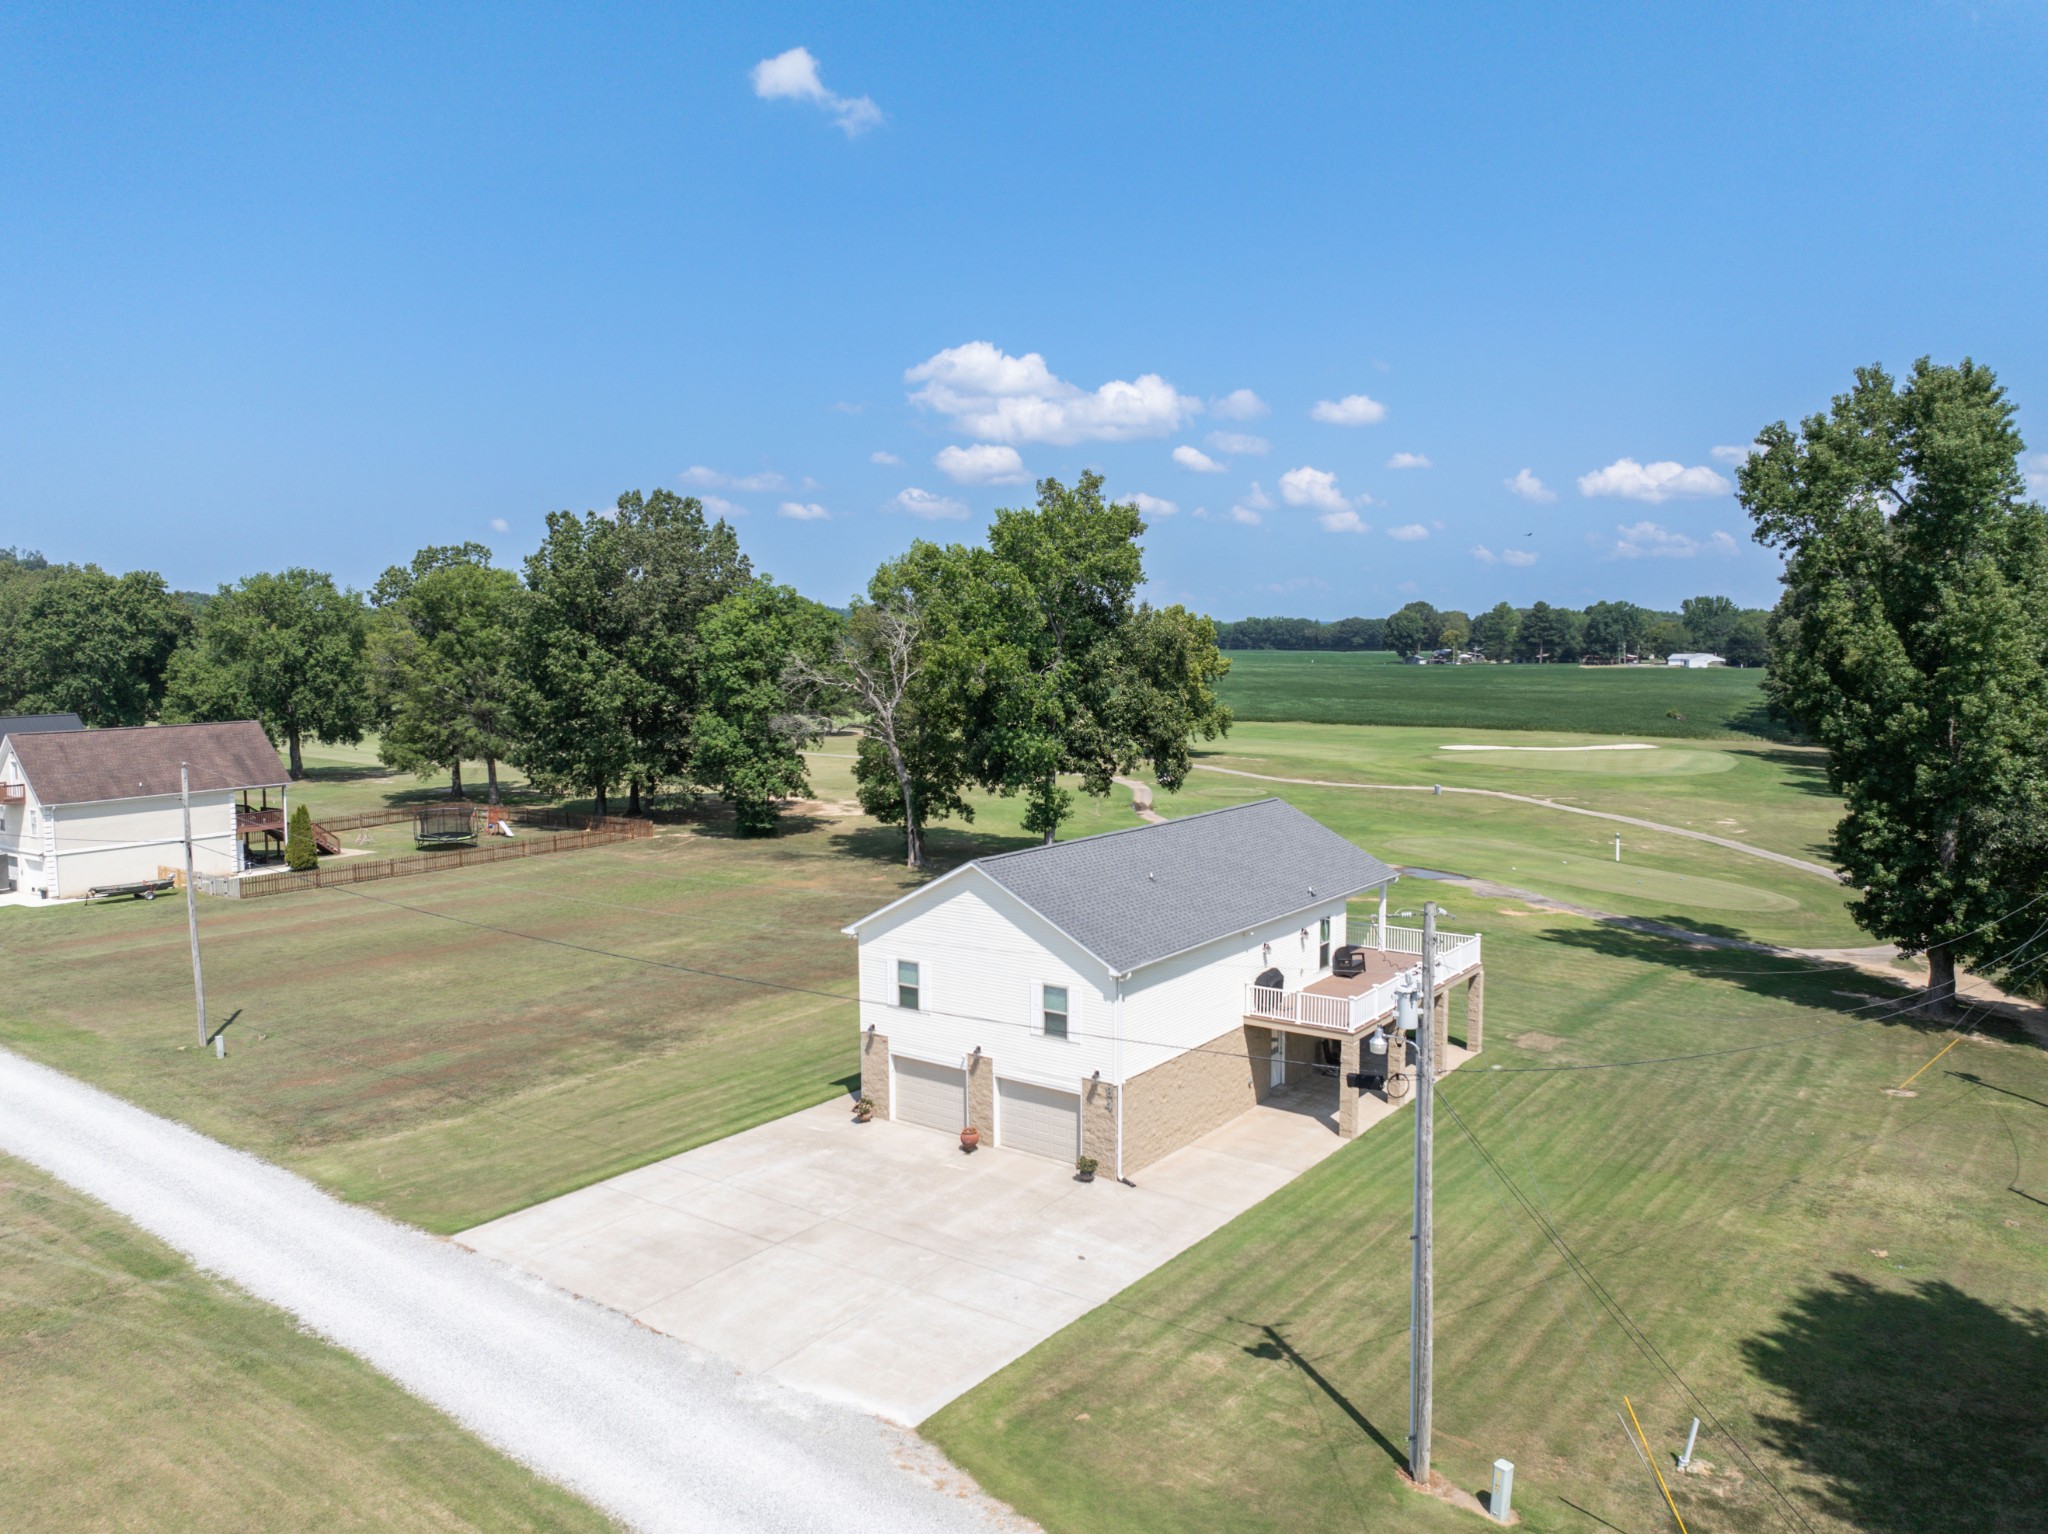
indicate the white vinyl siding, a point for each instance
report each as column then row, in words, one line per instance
column 1039, row 1120
column 932, row 1095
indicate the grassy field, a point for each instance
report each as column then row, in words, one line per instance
column 451, row 1047
column 1851, row 1281
column 137, row 1392
column 1374, row 687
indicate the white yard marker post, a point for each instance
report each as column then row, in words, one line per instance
column 220, row 1045
column 1422, row 1302
column 1617, row 846
column 1501, row 1504
column 1685, row 1459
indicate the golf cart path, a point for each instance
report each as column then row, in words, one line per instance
column 1820, row 869
column 657, row 1434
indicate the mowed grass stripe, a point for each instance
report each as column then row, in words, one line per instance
column 1722, row 1205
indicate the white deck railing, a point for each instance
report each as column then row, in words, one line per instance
column 1456, row 953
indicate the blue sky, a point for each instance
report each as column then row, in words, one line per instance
column 299, row 285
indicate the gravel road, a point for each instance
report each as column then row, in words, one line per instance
column 656, row 1434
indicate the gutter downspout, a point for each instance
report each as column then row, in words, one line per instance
column 1117, row 1064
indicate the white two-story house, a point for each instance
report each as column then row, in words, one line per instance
column 86, row 809
column 1121, row 995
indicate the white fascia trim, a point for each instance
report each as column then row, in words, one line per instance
column 853, row 929
column 999, row 888
column 1070, row 1085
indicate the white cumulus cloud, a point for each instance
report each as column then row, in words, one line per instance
column 1344, row 522
column 719, row 506
column 1651, row 540
column 1735, row 456
column 1197, row 460
column 803, row 511
column 1409, row 532
column 1652, row 482
column 1152, row 505
column 500, row 525
column 1239, row 405
column 1313, row 487
column 1409, row 461
column 711, row 479
column 1238, row 442
column 1517, row 557
column 1257, row 498
column 987, row 393
column 1248, row 515
column 985, row 463
column 793, row 76
column 1529, row 487
column 882, row 456
column 922, row 503
column 2036, row 467
column 1351, row 410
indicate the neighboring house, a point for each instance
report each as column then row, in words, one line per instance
column 1694, row 660
column 34, row 724
column 1121, row 995
column 80, row 809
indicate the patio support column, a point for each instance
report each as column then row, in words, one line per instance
column 1441, row 1014
column 1380, row 932
column 1475, row 1011
column 1347, row 1086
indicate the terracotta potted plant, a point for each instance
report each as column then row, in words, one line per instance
column 863, row 1110
column 969, row 1138
column 1084, row 1168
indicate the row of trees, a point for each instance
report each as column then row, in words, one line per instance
column 1538, row 633
column 638, row 649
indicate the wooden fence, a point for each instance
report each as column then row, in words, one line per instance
column 578, row 831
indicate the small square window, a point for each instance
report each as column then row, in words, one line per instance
column 906, row 985
column 1054, row 1009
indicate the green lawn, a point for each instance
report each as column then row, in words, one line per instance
column 451, row 1047
column 137, row 1392
column 1851, row 1281
column 1374, row 687
column 1767, row 796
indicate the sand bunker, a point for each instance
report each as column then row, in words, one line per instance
column 1634, row 747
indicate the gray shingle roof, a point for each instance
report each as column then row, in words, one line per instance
column 1134, row 897
column 85, row 766
column 33, row 724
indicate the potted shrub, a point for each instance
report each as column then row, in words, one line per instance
column 969, row 1138
column 1084, row 1168
column 863, row 1110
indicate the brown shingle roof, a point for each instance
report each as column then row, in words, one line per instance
column 85, row 766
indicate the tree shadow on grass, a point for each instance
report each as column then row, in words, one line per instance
column 1920, row 1409
column 1667, row 942
column 946, row 847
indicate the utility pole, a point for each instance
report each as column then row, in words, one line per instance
column 1422, row 1301
column 220, row 1046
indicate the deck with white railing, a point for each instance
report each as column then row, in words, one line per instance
column 1351, row 1005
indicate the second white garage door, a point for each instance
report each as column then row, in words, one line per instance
column 932, row 1095
column 1039, row 1120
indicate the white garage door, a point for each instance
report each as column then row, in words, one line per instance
column 932, row 1095
column 1039, row 1120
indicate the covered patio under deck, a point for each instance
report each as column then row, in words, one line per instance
column 1324, row 1031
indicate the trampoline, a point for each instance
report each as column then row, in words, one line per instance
column 444, row 825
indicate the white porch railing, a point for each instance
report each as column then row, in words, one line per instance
column 1456, row 953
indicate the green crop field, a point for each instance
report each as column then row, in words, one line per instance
column 137, row 1392
column 1374, row 687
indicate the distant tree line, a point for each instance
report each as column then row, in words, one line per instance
column 1540, row 633
column 638, row 651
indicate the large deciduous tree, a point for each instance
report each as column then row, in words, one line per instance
column 1413, row 629
column 441, row 662
column 1912, row 642
column 1614, row 630
column 286, row 650
column 1074, row 676
column 74, row 639
column 749, row 734
column 1494, row 631
column 608, row 657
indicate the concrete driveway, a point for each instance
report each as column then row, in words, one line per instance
column 874, row 1264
